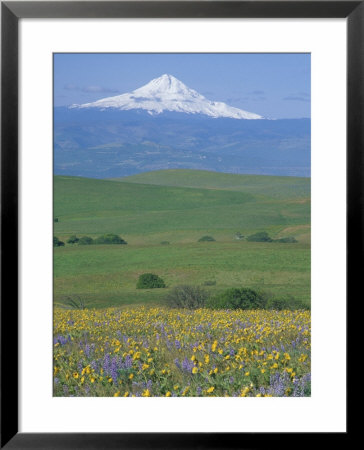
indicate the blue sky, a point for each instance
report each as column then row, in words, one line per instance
column 272, row 85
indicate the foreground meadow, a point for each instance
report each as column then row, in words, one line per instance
column 155, row 352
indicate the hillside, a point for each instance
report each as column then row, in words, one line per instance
column 92, row 206
column 272, row 186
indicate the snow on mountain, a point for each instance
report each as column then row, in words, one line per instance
column 167, row 93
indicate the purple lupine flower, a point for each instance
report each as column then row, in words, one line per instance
column 65, row 389
column 187, row 365
column 79, row 366
column 278, row 384
column 106, row 364
column 198, row 390
column 128, row 362
column 177, row 363
column 56, row 380
column 87, row 350
column 177, row 344
column 62, row 340
column 114, row 370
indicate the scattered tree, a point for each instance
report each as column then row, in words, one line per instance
column 73, row 239
column 85, row 240
column 191, row 297
column 57, row 242
column 206, row 239
column 110, row 239
column 150, row 281
column 238, row 298
column 262, row 236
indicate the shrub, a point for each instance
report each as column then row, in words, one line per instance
column 57, row 242
column 150, row 281
column 262, row 236
column 85, row 240
column 56, row 219
column 238, row 298
column 75, row 302
column 164, row 243
column 206, row 239
column 191, row 297
column 288, row 302
column 286, row 240
column 110, row 239
column 239, row 236
column 73, row 240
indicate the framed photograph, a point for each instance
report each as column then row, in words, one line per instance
column 181, row 192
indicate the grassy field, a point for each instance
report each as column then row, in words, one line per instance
column 180, row 206
column 274, row 186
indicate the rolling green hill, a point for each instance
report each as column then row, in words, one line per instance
column 147, row 214
column 92, row 206
column 272, row 186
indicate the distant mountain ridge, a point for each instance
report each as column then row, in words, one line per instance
column 167, row 93
column 110, row 143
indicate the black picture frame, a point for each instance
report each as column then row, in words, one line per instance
column 11, row 12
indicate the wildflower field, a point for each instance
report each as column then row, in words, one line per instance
column 145, row 351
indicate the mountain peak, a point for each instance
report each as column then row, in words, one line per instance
column 167, row 93
column 165, row 85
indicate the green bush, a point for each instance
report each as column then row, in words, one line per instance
column 150, row 281
column 238, row 298
column 191, row 297
column 206, row 239
column 85, row 240
column 110, row 239
column 288, row 302
column 56, row 219
column 262, row 236
column 286, row 240
column 57, row 242
column 165, row 243
column 73, row 240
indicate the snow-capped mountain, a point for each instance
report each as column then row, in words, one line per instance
column 167, row 93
